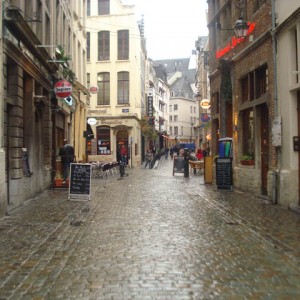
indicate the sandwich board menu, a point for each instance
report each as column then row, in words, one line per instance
column 80, row 181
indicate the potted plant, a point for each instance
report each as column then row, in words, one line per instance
column 247, row 160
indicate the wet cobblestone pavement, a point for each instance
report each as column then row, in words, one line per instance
column 150, row 235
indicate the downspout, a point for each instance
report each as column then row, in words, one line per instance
column 276, row 173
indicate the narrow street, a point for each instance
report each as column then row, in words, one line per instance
column 150, row 235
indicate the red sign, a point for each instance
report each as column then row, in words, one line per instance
column 63, row 89
column 94, row 89
column 234, row 42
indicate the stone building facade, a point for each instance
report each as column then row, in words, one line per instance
column 36, row 120
column 115, row 68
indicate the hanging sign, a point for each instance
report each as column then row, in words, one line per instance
column 92, row 121
column 205, row 104
column 63, row 89
column 94, row 89
column 205, row 117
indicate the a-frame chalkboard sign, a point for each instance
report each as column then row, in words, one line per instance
column 80, row 181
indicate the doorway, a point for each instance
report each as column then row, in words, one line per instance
column 264, row 144
column 122, row 139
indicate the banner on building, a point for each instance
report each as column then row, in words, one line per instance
column 150, row 106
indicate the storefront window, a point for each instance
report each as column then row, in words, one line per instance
column 248, row 132
column 103, row 141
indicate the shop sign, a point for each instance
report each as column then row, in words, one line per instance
column 63, row 89
column 205, row 118
column 234, row 42
column 92, row 121
column 205, row 104
column 150, row 106
column 94, row 89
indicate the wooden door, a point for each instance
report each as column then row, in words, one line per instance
column 264, row 134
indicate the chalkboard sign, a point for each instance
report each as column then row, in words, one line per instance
column 178, row 164
column 26, row 168
column 224, row 173
column 80, row 180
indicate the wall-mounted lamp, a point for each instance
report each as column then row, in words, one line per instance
column 240, row 27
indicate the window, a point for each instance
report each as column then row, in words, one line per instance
column 248, row 131
column 170, row 118
column 103, row 82
column 103, row 140
column 245, row 89
column 294, row 55
column 175, row 106
column 255, row 84
column 88, row 45
column 88, row 7
column 103, row 45
column 191, row 109
column 175, row 130
column 261, row 81
column 88, row 80
column 123, row 87
column 171, row 130
column 123, row 44
column 175, row 118
column 103, row 7
column 181, row 130
column 170, row 108
column 257, row 4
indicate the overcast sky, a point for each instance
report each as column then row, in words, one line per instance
column 172, row 27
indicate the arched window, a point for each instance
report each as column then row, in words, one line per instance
column 103, row 82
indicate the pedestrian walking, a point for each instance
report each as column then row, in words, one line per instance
column 199, row 154
column 123, row 153
column 166, row 152
column 67, row 157
column 149, row 157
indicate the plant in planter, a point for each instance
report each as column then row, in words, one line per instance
column 247, row 160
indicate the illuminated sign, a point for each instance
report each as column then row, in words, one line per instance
column 205, row 103
column 234, row 42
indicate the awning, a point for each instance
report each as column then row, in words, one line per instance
column 165, row 137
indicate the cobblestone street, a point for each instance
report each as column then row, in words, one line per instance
column 150, row 235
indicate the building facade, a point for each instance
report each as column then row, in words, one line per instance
column 287, row 128
column 43, row 43
column 183, row 110
column 115, row 70
column 242, row 90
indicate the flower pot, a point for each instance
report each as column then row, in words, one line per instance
column 249, row 162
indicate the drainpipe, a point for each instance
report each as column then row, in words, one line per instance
column 276, row 173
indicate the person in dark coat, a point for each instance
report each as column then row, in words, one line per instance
column 67, row 157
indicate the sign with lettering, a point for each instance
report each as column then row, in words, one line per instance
column 224, row 173
column 63, row 89
column 150, row 106
column 234, row 42
column 178, row 164
column 80, row 180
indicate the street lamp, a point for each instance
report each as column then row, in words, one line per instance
column 241, row 27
